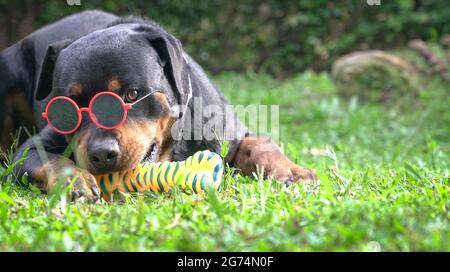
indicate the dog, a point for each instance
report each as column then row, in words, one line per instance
column 92, row 51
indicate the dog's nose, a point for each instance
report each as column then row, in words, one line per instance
column 104, row 155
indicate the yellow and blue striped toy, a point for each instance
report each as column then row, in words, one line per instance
column 196, row 174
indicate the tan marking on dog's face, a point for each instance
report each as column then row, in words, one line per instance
column 81, row 142
column 165, row 128
column 135, row 137
column 76, row 89
column 114, row 85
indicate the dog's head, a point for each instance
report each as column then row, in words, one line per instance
column 129, row 59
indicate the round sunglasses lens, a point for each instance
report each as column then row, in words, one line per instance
column 62, row 115
column 108, row 110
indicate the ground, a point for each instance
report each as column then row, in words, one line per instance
column 384, row 171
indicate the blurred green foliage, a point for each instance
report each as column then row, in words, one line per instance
column 384, row 185
column 277, row 37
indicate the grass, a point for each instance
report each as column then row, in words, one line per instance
column 384, row 173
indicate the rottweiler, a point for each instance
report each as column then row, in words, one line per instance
column 131, row 59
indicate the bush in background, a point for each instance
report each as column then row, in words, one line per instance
column 276, row 37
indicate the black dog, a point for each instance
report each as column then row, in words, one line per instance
column 93, row 51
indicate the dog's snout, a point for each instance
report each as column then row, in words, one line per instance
column 103, row 155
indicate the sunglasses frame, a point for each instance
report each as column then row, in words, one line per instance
column 126, row 107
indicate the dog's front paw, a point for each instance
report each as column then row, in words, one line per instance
column 290, row 173
column 83, row 183
column 302, row 174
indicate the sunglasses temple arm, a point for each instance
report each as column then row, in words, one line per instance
column 142, row 98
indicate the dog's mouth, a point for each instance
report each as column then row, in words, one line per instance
column 152, row 154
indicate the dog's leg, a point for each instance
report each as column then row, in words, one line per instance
column 45, row 173
column 260, row 152
column 6, row 127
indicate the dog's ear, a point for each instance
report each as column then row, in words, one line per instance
column 170, row 52
column 45, row 82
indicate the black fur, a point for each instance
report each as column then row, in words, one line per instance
column 54, row 56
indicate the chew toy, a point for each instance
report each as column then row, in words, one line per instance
column 196, row 174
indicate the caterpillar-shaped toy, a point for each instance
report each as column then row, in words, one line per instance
column 196, row 174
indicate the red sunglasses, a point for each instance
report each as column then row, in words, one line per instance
column 106, row 109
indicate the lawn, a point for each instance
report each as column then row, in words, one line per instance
column 384, row 171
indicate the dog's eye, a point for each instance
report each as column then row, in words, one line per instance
column 131, row 96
